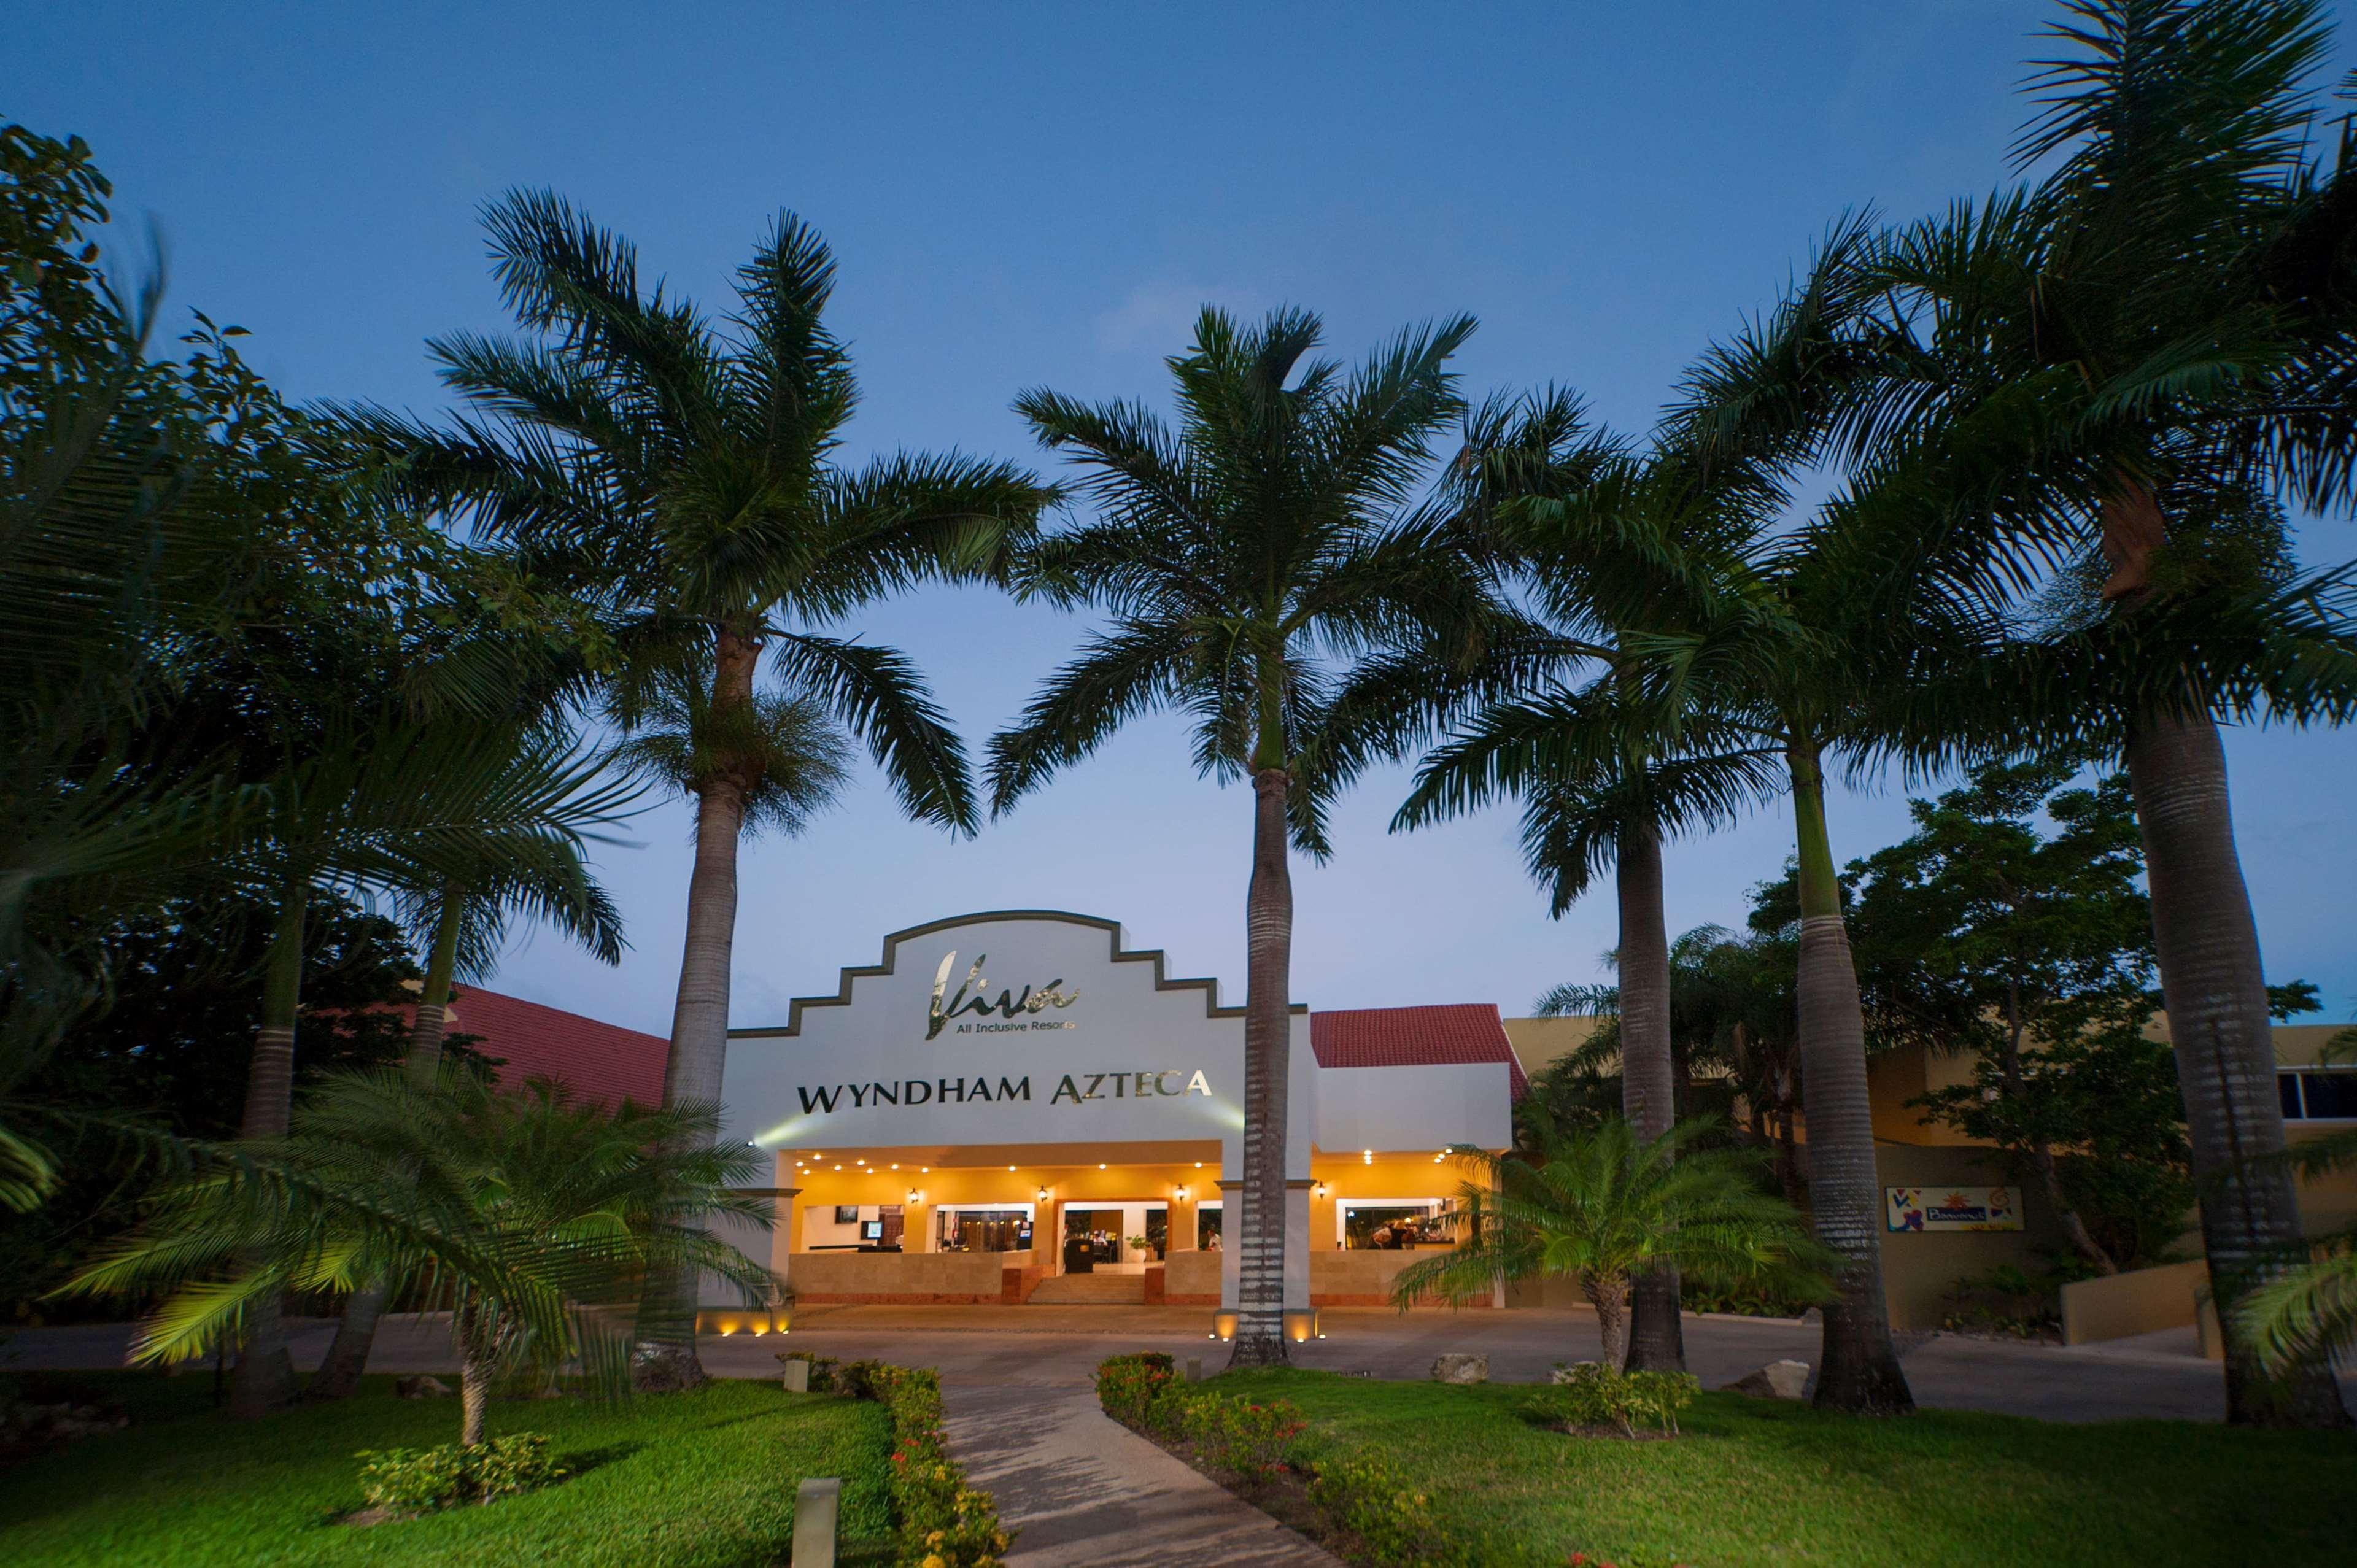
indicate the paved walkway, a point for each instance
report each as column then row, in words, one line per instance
column 1085, row 1491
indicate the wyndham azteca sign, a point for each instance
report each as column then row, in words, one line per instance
column 1021, row 1028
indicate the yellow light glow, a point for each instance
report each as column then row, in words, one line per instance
column 927, row 1170
column 1100, row 1164
column 1010, row 1167
column 1368, row 1157
column 896, row 1165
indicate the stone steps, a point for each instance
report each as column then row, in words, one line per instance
column 1091, row 1290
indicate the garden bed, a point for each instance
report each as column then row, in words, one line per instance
column 696, row 1481
column 1760, row 1481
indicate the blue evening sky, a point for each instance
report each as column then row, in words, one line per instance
column 1043, row 195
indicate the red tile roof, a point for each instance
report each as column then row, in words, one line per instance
column 597, row 1061
column 1443, row 1036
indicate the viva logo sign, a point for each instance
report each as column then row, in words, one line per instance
column 972, row 998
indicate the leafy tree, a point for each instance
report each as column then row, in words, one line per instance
column 1978, row 932
column 1601, row 1206
column 684, row 475
column 1270, row 574
column 542, row 1217
column 171, row 1049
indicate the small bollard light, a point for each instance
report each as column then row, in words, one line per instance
column 798, row 1376
column 816, row 1501
column 1194, row 1369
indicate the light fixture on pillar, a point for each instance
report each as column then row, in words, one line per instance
column 1180, row 1192
column 1043, row 1195
column 916, row 1196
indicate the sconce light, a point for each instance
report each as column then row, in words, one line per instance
column 1180, row 1192
column 1321, row 1190
column 1367, row 1157
column 916, row 1196
column 1043, row 1195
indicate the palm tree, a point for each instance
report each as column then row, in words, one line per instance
column 1267, row 570
column 686, row 473
column 541, row 1217
column 2113, row 361
column 1606, row 1206
column 397, row 804
column 1639, row 786
column 467, row 921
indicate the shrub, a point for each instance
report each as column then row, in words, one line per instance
column 1589, row 1393
column 1248, row 1440
column 1374, row 1500
column 943, row 1522
column 413, row 1481
column 864, row 1379
column 1127, row 1386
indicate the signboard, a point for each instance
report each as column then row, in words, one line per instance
column 1951, row 1208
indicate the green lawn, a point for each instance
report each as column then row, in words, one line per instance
column 1756, row 1481
column 704, row 1479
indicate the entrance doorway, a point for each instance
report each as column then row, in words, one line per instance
column 1092, row 1236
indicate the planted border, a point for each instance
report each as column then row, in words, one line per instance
column 1364, row 1507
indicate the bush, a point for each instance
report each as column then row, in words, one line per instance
column 1127, row 1386
column 1374, row 1500
column 1251, row 1441
column 943, row 1522
column 413, row 1481
column 1589, row 1393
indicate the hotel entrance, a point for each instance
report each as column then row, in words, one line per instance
column 1016, row 1107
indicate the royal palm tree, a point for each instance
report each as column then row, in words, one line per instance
column 2113, row 361
column 1636, row 786
column 543, row 1217
column 1267, row 568
column 1606, row 1206
column 686, row 471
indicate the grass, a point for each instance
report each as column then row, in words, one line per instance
column 1758, row 1481
column 699, row 1481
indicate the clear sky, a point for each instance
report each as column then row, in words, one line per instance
column 1042, row 195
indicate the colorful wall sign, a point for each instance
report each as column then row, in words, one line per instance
column 1951, row 1208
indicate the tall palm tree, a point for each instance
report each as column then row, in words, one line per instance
column 1637, row 786
column 2111, row 360
column 1606, row 1206
column 686, row 471
column 1266, row 565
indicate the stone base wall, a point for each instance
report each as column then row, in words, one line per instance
column 1360, row 1279
column 1191, row 1279
column 928, row 1279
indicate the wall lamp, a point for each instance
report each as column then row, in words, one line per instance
column 1043, row 1195
column 1180, row 1192
column 916, row 1196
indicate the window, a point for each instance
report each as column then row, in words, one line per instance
column 1207, row 1226
column 2317, row 1094
column 1392, row 1224
column 2330, row 1095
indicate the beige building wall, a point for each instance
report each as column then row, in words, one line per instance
column 1539, row 1042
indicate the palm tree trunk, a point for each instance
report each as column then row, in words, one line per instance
column 2215, row 994
column 339, row 1376
column 474, row 1380
column 265, row 1372
column 1269, row 1021
column 666, row 1356
column 1648, row 1075
column 1859, row 1371
column 1609, row 1299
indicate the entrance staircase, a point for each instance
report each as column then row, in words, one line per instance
column 1091, row 1290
